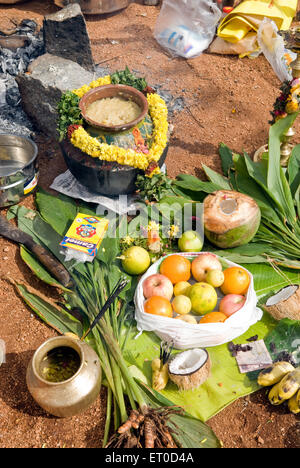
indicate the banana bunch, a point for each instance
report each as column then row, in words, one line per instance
column 285, row 382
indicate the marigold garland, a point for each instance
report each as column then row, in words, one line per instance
column 159, row 114
column 288, row 101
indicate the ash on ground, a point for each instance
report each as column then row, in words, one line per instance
column 14, row 61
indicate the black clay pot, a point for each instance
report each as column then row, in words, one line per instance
column 102, row 177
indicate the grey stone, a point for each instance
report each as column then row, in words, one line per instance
column 65, row 35
column 151, row 2
column 41, row 88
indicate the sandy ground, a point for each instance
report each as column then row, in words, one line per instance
column 224, row 99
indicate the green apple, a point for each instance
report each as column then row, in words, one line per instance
column 190, row 241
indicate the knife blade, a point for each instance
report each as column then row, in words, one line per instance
column 54, row 267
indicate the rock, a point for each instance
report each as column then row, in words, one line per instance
column 65, row 35
column 41, row 88
column 151, row 2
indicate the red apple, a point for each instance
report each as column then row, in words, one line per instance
column 231, row 304
column 202, row 264
column 158, row 285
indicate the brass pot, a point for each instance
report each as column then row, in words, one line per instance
column 70, row 397
column 95, row 7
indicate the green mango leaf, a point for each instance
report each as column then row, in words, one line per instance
column 194, row 184
column 216, row 178
column 226, row 158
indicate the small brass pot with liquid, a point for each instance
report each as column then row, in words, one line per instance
column 64, row 376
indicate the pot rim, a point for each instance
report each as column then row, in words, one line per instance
column 118, row 87
column 30, row 141
column 37, row 353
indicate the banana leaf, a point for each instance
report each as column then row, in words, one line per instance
column 193, row 434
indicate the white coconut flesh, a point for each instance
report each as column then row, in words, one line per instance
column 228, row 206
column 282, row 295
column 188, row 362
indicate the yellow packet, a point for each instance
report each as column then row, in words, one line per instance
column 85, row 234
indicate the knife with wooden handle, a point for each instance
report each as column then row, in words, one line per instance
column 54, row 267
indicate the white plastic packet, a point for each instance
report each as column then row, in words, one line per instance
column 187, row 27
column 186, row 335
column 273, row 48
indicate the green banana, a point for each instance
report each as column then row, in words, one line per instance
column 273, row 395
column 294, row 403
column 289, row 385
column 273, row 374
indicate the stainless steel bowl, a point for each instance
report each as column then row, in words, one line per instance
column 18, row 168
column 95, row 7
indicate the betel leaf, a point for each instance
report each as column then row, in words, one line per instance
column 285, row 337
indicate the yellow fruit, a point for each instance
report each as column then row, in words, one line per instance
column 273, row 374
column 289, row 385
column 215, row 278
column 274, row 397
column 187, row 318
column 182, row 305
column 203, row 298
column 135, row 260
column 181, row 288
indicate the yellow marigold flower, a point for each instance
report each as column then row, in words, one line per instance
column 127, row 240
column 173, row 231
column 292, row 106
column 152, row 226
column 91, row 146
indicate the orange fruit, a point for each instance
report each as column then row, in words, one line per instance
column 177, row 268
column 213, row 317
column 158, row 305
column 236, row 281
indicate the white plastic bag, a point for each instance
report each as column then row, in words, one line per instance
column 187, row 27
column 273, row 48
column 186, row 335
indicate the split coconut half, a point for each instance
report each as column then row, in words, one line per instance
column 190, row 369
column 231, row 218
column 285, row 304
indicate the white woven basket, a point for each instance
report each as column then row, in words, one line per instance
column 186, row 335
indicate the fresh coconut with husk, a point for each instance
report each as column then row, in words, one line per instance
column 231, row 218
column 190, row 369
column 285, row 304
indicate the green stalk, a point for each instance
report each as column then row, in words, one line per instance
column 108, row 417
column 119, row 390
column 117, row 354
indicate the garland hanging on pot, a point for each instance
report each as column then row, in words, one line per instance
column 70, row 124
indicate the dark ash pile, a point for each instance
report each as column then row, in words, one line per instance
column 14, row 61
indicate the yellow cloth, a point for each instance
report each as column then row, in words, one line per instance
column 248, row 14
